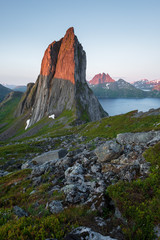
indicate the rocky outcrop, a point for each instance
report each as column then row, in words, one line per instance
column 86, row 233
column 62, row 84
column 101, row 78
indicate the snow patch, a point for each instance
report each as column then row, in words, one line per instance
column 27, row 124
column 52, row 116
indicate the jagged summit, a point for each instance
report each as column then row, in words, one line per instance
column 62, row 84
column 101, row 78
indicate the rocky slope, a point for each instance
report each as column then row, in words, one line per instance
column 101, row 78
column 62, row 84
column 82, row 176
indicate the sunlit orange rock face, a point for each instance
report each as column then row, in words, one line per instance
column 66, row 62
column 101, row 78
column 49, row 60
column 59, row 60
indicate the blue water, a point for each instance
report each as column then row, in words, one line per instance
column 124, row 105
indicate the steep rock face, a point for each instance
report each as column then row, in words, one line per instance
column 65, row 68
column 62, row 84
column 101, row 78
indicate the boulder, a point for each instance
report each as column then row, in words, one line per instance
column 137, row 138
column 50, row 156
column 108, row 151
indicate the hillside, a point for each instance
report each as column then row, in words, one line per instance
column 60, row 177
column 121, row 89
column 3, row 92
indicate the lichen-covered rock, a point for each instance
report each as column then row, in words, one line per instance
column 19, row 212
column 55, row 206
column 108, row 151
column 85, row 233
column 62, row 84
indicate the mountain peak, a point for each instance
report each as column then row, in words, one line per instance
column 101, row 78
column 70, row 31
column 62, row 84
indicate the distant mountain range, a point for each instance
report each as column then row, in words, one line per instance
column 20, row 88
column 104, row 86
column 146, row 85
column 5, row 90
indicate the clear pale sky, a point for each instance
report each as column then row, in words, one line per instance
column 120, row 37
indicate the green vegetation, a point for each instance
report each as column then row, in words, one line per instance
column 12, row 189
column 7, row 109
column 15, row 189
column 18, row 151
column 111, row 126
column 32, row 228
column 107, row 127
column 138, row 201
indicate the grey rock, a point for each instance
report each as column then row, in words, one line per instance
column 19, row 212
column 3, row 173
column 51, row 239
column 100, row 221
column 96, row 168
column 34, row 191
column 64, row 163
column 145, row 168
column 37, row 171
column 119, row 215
column 74, row 172
column 85, row 233
column 73, row 153
column 157, row 231
column 28, row 164
column 36, row 180
column 137, row 138
column 50, row 156
column 55, row 206
column 108, row 151
column 75, row 193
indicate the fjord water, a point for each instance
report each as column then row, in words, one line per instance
column 124, row 105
